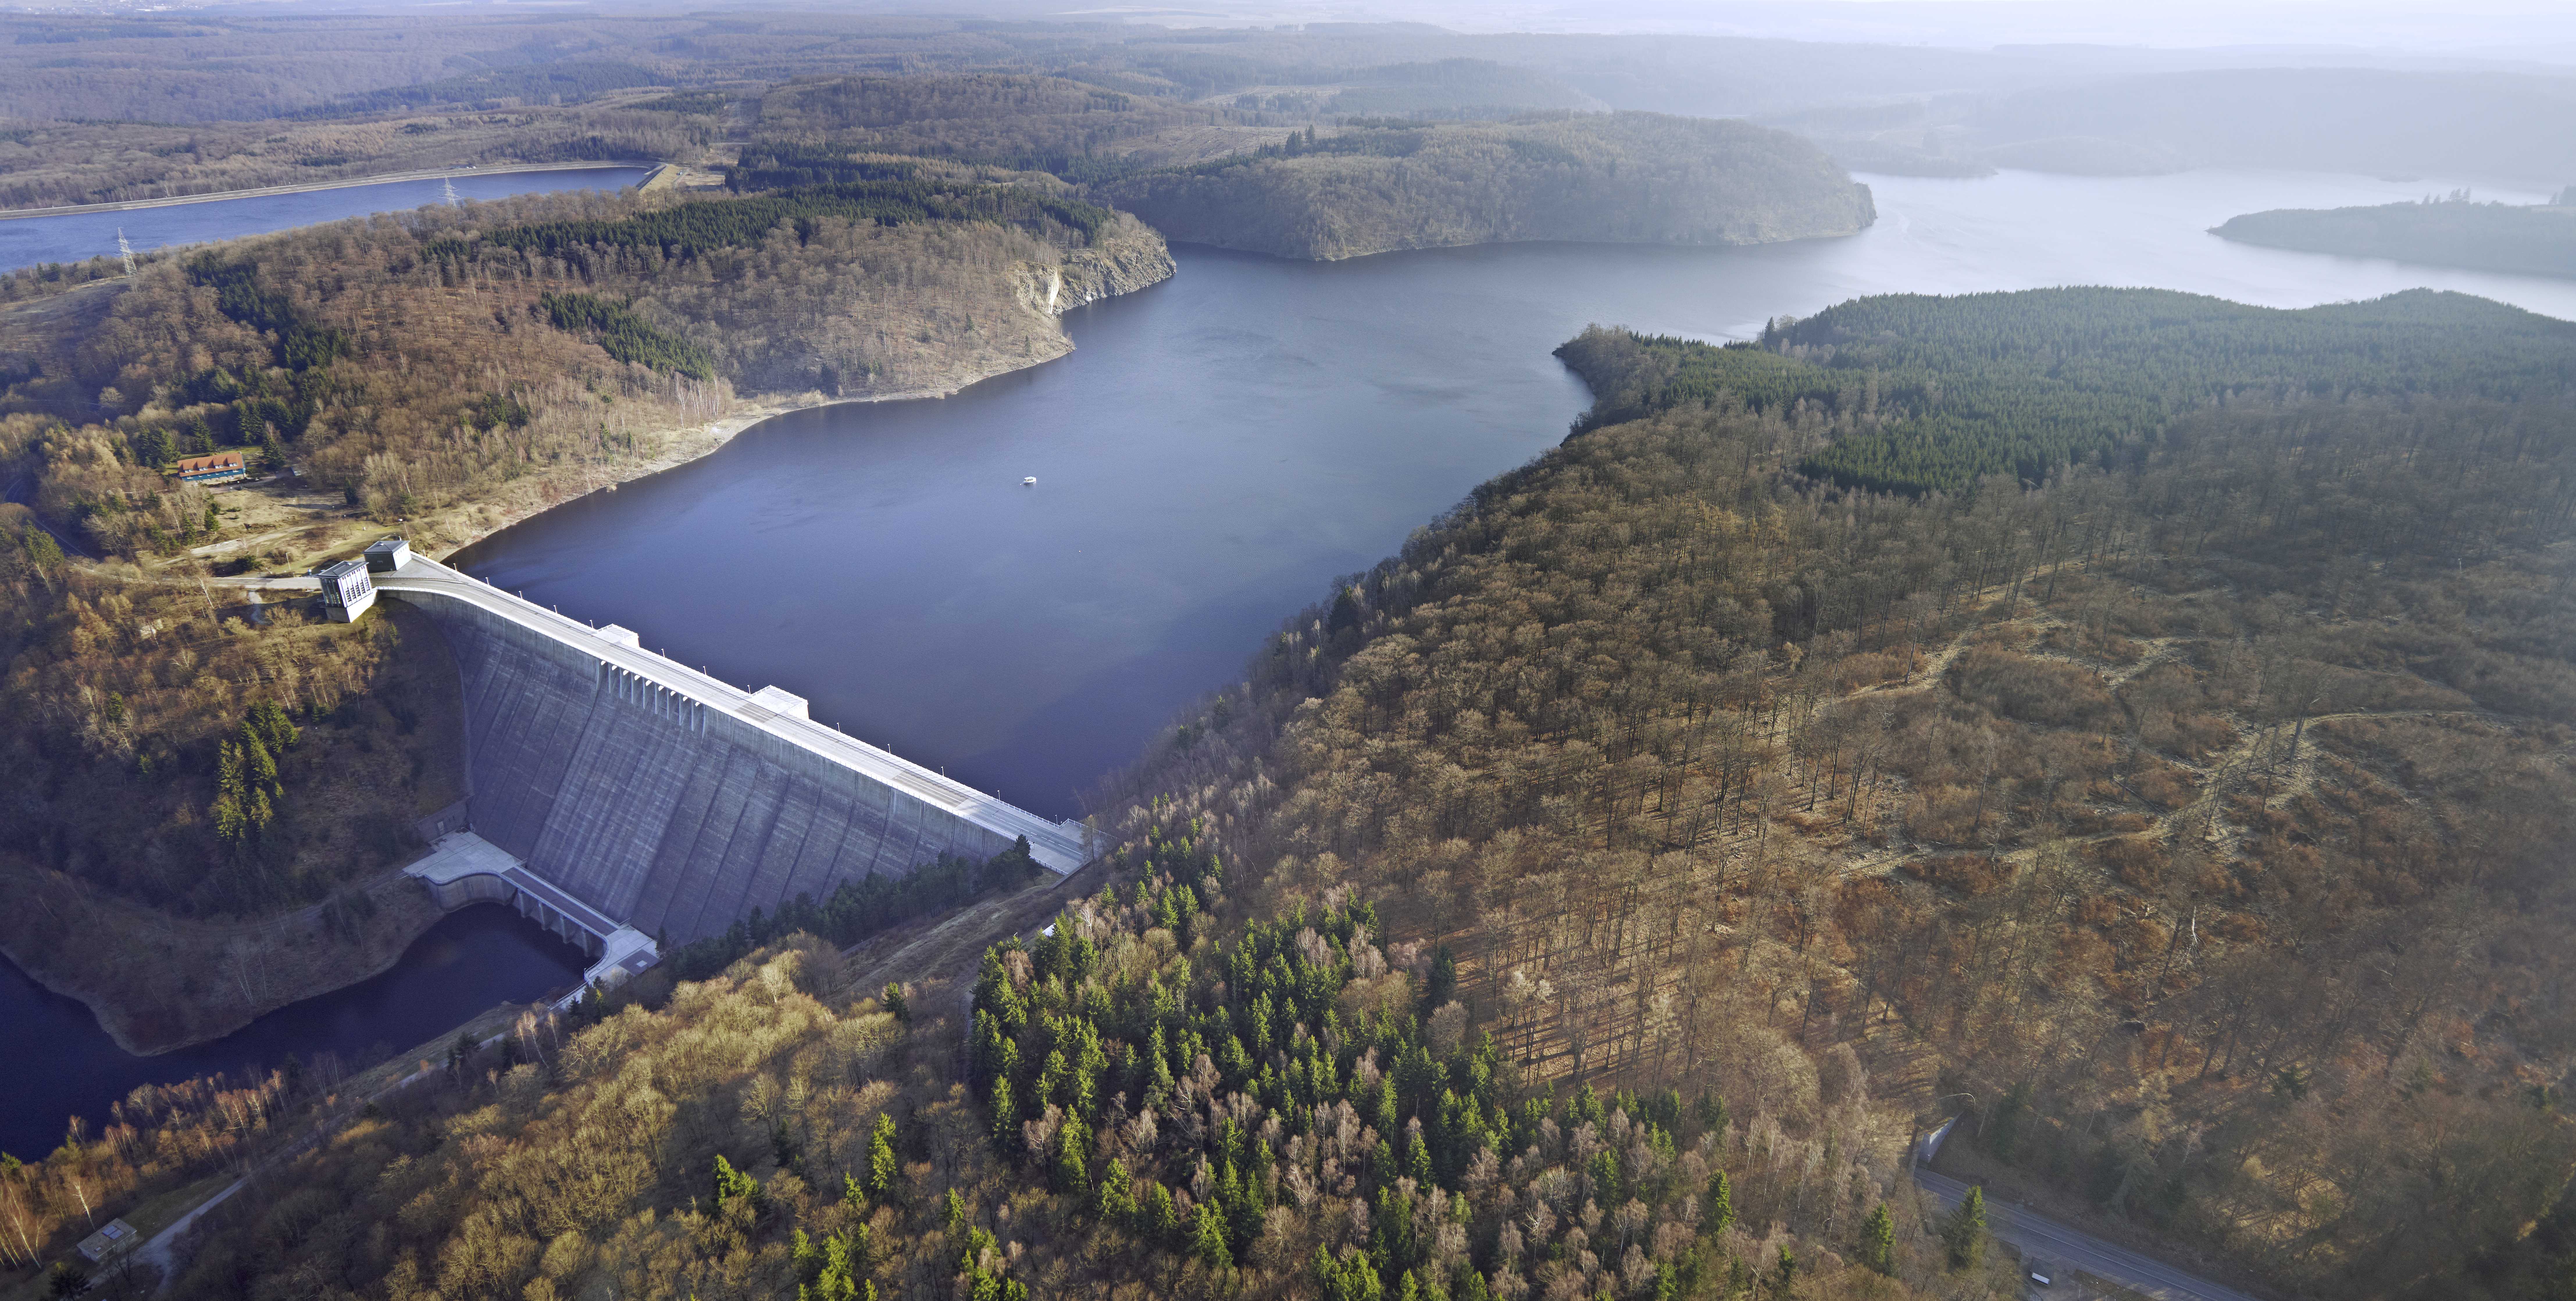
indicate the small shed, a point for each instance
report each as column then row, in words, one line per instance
column 221, row 467
column 108, row 1243
column 346, row 591
column 388, row 555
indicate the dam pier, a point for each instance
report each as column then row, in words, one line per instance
column 624, row 800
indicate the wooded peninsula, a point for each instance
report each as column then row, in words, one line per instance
column 1627, row 178
column 2527, row 239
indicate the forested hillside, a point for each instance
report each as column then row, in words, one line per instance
column 178, row 760
column 1942, row 392
column 775, row 1131
column 1589, row 900
column 197, row 779
column 2449, row 233
column 1015, row 121
column 463, row 363
column 1444, row 88
column 1616, row 178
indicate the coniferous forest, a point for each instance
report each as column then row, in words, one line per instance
column 1946, row 391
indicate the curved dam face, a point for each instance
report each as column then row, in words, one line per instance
column 667, row 801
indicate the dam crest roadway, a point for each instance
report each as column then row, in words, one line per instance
column 625, row 800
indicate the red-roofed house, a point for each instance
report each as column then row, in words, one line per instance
column 222, row 467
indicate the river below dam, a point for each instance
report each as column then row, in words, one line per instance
column 1215, row 451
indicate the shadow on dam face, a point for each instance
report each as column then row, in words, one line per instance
column 669, row 801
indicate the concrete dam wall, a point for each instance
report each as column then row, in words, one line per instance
column 672, row 802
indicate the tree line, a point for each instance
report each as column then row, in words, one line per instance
column 691, row 229
column 1955, row 389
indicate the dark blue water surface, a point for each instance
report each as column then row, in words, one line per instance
column 468, row 962
column 1215, row 451
column 27, row 241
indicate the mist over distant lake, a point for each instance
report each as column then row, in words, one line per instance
column 1217, row 449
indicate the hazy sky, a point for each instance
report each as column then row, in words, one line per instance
column 2512, row 29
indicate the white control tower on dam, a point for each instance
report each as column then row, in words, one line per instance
column 617, row 795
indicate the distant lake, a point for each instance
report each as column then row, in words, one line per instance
column 80, row 236
column 1217, row 449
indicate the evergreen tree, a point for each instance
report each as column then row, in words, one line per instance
column 1162, row 1223
column 259, row 770
column 1207, row 1240
column 1073, row 1157
column 1965, row 1234
column 731, row 1184
column 1608, row 1188
column 276, row 730
column 1878, row 1241
column 1117, row 1195
column 883, row 1168
column 1006, row 1116
column 153, row 448
column 1717, row 1213
column 839, row 1277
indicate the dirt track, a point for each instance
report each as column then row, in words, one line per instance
column 942, row 953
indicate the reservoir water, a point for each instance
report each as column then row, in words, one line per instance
column 75, row 237
column 1220, row 446
column 1217, row 449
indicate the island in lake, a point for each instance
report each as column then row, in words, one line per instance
column 2532, row 239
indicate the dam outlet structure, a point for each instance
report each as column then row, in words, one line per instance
column 624, row 800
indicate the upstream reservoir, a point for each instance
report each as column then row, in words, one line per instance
column 1220, row 446
column 1217, row 449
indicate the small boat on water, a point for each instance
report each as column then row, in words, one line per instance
column 1029, row 482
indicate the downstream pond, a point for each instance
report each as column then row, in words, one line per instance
column 1214, row 452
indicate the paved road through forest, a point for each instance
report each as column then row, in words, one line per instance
column 2071, row 1249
